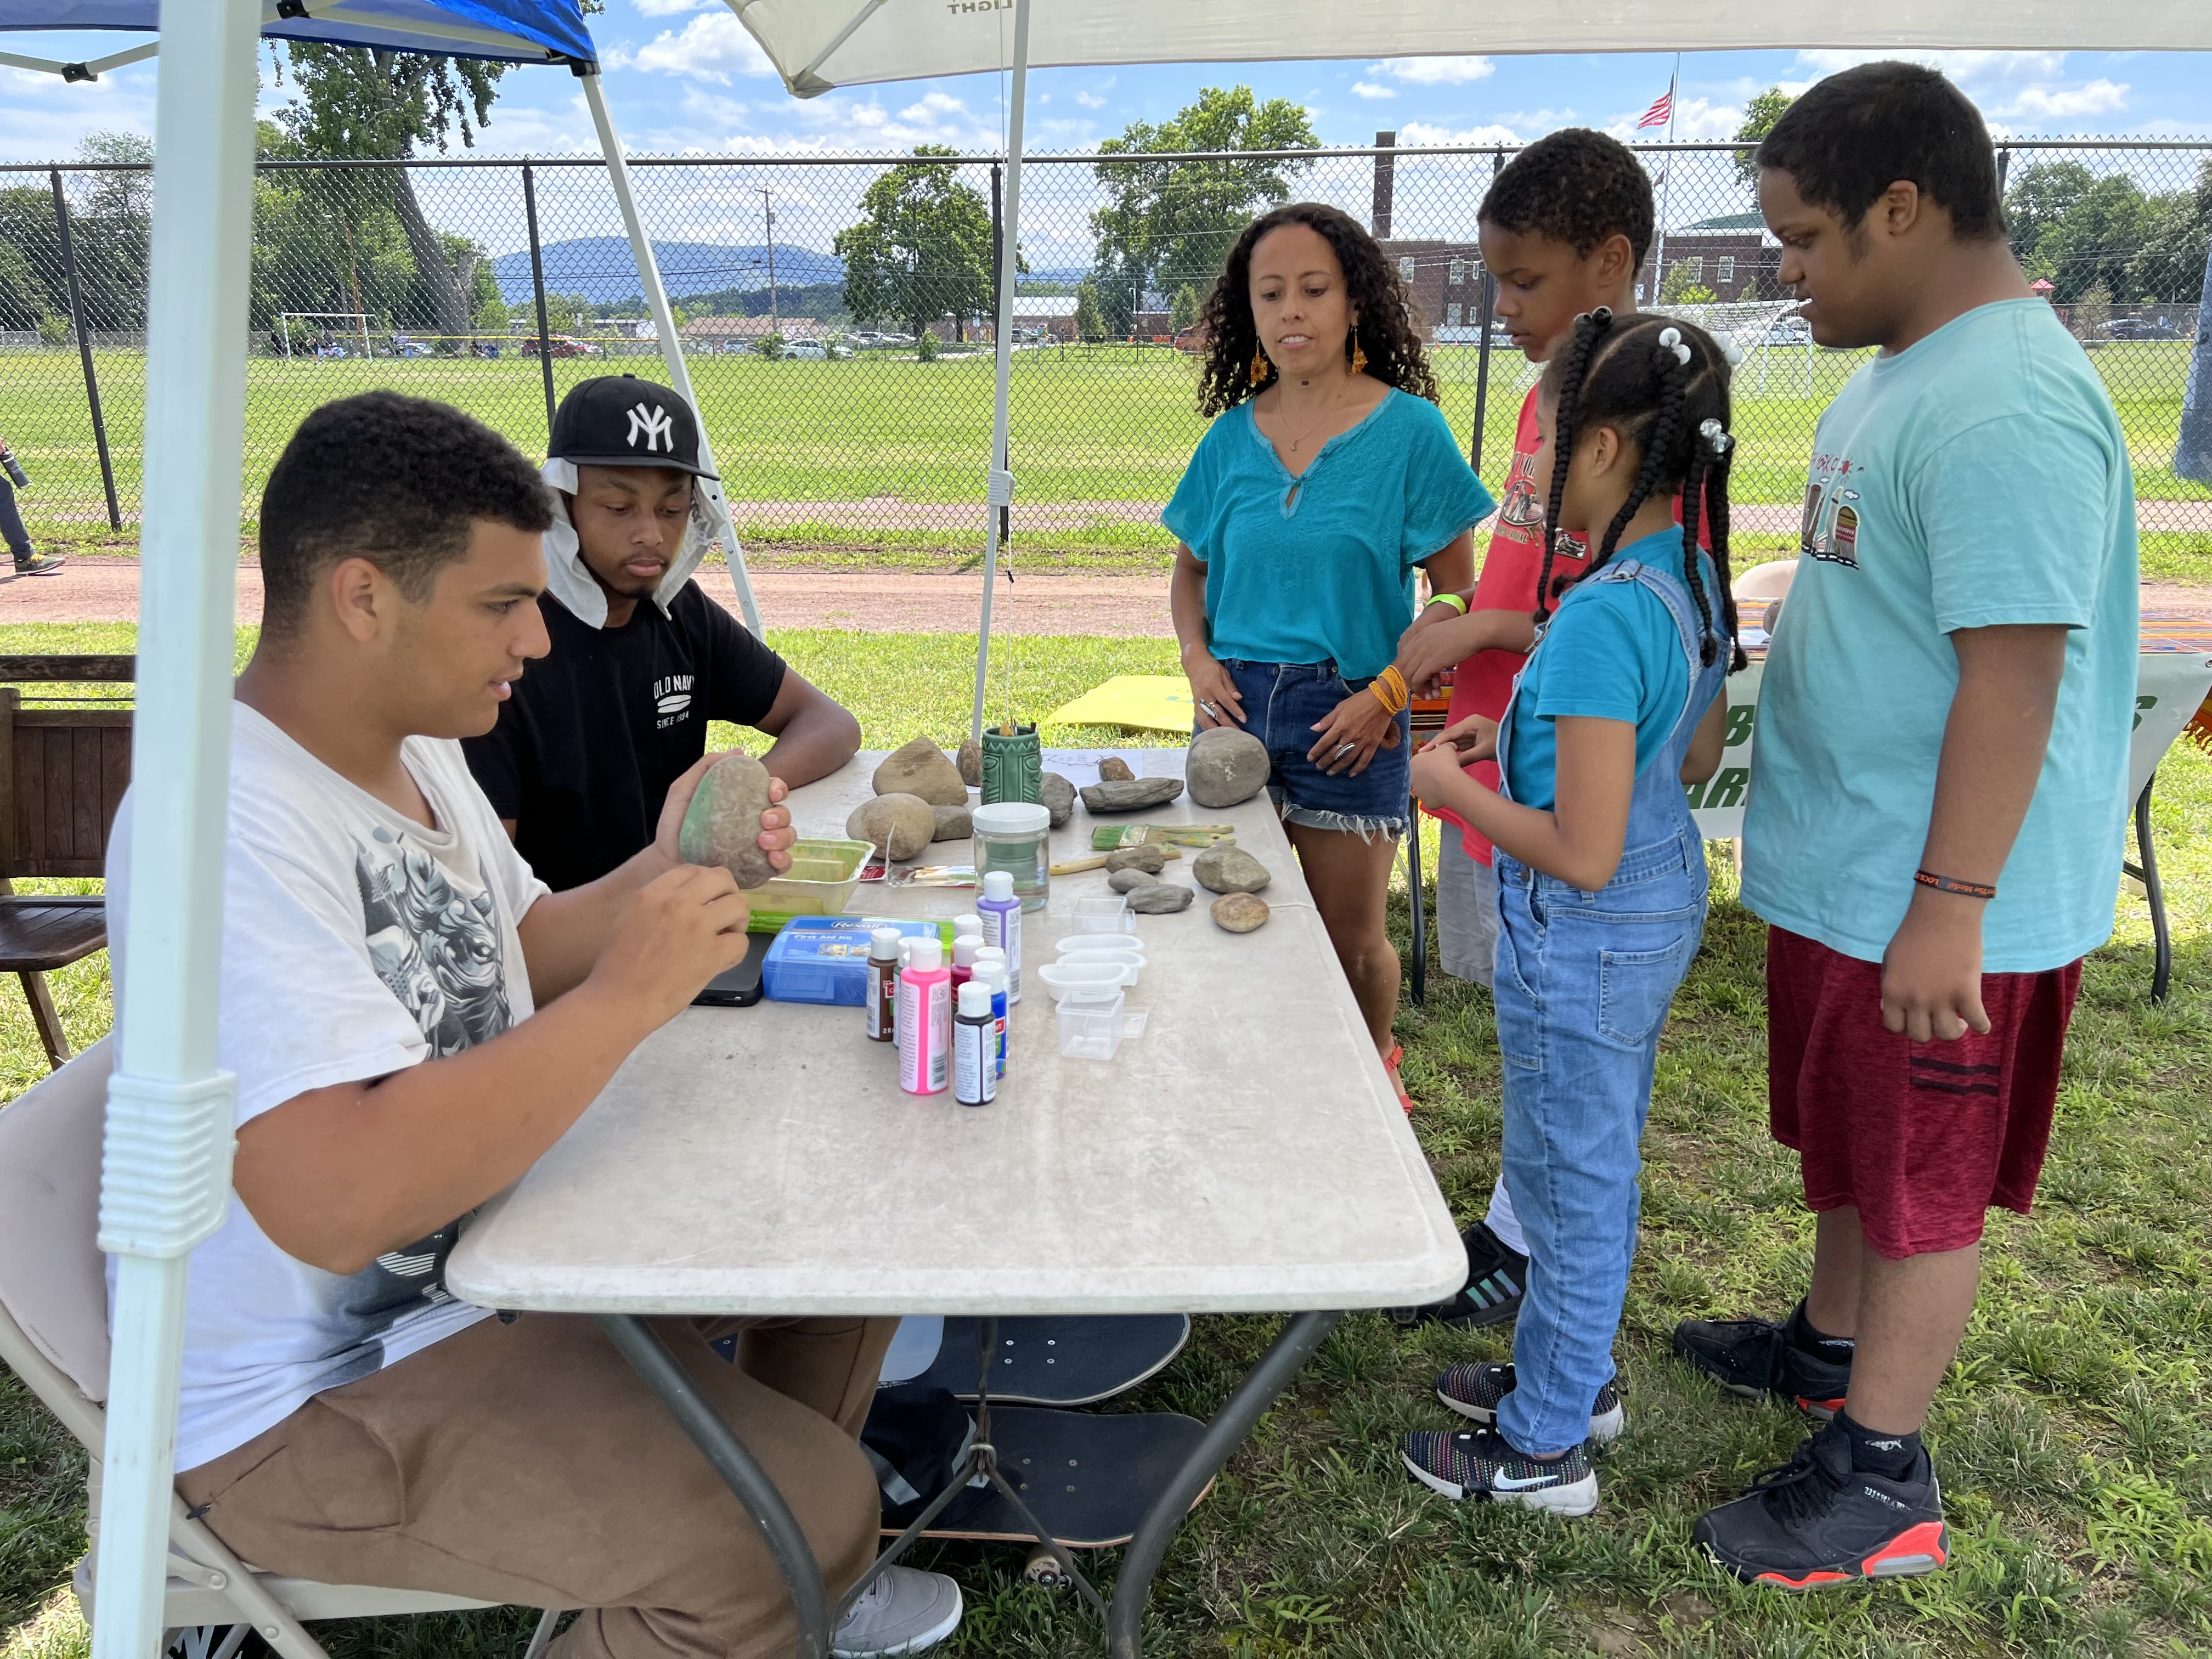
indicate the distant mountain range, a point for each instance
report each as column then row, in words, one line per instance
column 600, row 268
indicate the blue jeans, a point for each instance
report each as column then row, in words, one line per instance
column 1584, row 982
column 1282, row 703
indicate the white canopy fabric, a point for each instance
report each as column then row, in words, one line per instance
column 817, row 45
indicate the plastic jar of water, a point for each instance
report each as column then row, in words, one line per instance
column 1015, row 836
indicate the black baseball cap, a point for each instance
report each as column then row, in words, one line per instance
column 618, row 420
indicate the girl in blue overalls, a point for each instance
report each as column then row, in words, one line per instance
column 1600, row 874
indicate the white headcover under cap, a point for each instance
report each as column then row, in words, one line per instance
column 575, row 586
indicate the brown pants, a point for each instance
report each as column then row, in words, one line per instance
column 527, row 1463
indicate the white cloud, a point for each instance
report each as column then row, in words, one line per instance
column 47, row 118
column 1425, row 133
column 1436, row 71
column 2097, row 97
column 709, row 48
column 1090, row 100
column 1961, row 66
column 670, row 8
column 1369, row 89
column 1696, row 121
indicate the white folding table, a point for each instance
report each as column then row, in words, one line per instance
column 1246, row 1154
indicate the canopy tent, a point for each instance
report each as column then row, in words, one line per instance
column 503, row 31
column 166, row 1167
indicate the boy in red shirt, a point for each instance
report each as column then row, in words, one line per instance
column 1563, row 229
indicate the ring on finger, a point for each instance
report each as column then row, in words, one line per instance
column 1343, row 749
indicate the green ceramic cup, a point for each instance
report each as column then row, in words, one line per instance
column 1013, row 767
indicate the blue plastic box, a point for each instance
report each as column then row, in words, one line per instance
column 825, row 959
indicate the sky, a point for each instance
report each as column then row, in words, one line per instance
column 682, row 77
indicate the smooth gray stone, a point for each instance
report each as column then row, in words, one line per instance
column 969, row 760
column 1146, row 857
column 1059, row 796
column 953, row 823
column 1226, row 767
column 1131, row 796
column 1222, row 868
column 924, row 769
column 1128, row 880
column 1160, row 898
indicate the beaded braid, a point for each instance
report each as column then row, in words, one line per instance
column 1716, row 516
column 1658, row 444
column 1590, row 329
column 1693, row 489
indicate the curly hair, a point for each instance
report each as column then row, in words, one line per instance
column 1846, row 138
column 1663, row 385
column 1389, row 331
column 1578, row 186
column 396, row 480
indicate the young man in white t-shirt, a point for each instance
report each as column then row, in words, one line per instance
column 386, row 955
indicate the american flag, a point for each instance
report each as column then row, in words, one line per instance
column 1661, row 110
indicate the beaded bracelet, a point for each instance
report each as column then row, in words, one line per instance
column 1389, row 689
column 1454, row 600
column 1973, row 889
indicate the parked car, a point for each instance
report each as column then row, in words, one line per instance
column 410, row 349
column 2139, row 328
column 815, row 352
column 1781, row 331
column 560, row 345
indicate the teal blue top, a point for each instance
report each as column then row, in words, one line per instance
column 1611, row 651
column 1319, row 567
column 1978, row 478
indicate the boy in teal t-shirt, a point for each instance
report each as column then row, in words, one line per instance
column 1935, row 818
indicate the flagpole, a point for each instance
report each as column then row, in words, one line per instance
column 1666, row 181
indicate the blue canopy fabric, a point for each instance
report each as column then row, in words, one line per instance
column 505, row 31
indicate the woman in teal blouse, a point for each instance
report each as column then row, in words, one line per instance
column 1329, row 474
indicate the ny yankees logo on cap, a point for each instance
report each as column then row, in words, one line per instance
column 619, row 420
column 655, row 426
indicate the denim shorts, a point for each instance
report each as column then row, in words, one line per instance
column 1283, row 701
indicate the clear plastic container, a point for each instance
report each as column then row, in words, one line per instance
column 1016, row 835
column 1106, row 915
column 820, row 882
column 1091, row 1025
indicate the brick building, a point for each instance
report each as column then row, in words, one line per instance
column 1733, row 255
column 1443, row 278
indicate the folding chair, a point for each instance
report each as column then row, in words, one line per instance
column 53, row 1334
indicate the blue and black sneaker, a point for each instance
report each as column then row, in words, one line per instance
column 1481, row 1464
column 1477, row 1391
column 1497, row 1279
column 1817, row 1521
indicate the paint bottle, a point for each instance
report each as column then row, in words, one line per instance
column 881, row 1006
column 975, row 1064
column 925, row 1020
column 991, row 969
column 964, row 946
column 1002, row 925
column 970, row 924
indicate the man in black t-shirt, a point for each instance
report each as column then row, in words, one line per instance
column 641, row 659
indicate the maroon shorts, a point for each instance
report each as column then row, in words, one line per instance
column 1921, row 1138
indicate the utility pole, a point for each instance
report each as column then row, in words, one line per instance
column 767, row 207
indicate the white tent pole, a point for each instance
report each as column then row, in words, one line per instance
column 672, row 347
column 165, row 1172
column 1001, row 489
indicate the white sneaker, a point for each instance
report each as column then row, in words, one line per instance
column 902, row 1612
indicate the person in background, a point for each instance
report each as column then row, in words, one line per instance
column 1602, row 877
column 412, row 1019
column 641, row 659
column 29, row 562
column 1564, row 226
column 1934, row 824
column 1329, row 474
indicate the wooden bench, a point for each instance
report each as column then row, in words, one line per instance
column 62, row 776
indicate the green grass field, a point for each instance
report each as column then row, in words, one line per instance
column 1106, row 424
column 2072, row 1434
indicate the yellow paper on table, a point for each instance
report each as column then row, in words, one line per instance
column 1157, row 702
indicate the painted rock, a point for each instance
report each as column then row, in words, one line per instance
column 1149, row 859
column 901, row 824
column 1160, row 898
column 953, row 824
column 1114, row 769
column 1240, row 913
column 722, row 824
column 1225, row 767
column 921, row 768
column 1222, row 868
column 1131, row 794
column 1059, row 798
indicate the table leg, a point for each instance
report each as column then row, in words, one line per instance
column 672, row 1385
column 1125, row 1622
column 2161, row 934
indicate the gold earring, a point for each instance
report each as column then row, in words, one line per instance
column 1358, row 354
column 1261, row 367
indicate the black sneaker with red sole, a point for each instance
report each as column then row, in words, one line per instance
column 1817, row 1522
column 1755, row 1358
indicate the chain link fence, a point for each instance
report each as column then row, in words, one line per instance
column 835, row 314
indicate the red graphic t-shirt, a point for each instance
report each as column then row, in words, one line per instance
column 1483, row 684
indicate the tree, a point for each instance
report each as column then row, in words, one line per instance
column 769, row 346
column 2093, row 309
column 926, row 347
column 1090, row 325
column 924, row 250
column 2093, row 243
column 566, row 313
column 2041, row 195
column 1759, row 116
column 1184, row 312
column 2170, row 266
column 1681, row 287
column 1169, row 224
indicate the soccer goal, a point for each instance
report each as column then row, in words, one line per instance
column 356, row 328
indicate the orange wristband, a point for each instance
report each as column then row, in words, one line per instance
column 1389, row 689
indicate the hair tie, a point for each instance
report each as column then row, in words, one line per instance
column 1717, row 437
column 1675, row 348
column 1731, row 351
column 1670, row 338
column 1602, row 316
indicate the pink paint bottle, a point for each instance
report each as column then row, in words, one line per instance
column 925, row 1019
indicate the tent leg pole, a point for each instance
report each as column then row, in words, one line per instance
column 672, row 347
column 165, row 1170
column 1009, row 255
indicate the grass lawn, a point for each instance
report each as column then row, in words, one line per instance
column 2078, row 1473
column 1107, row 424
